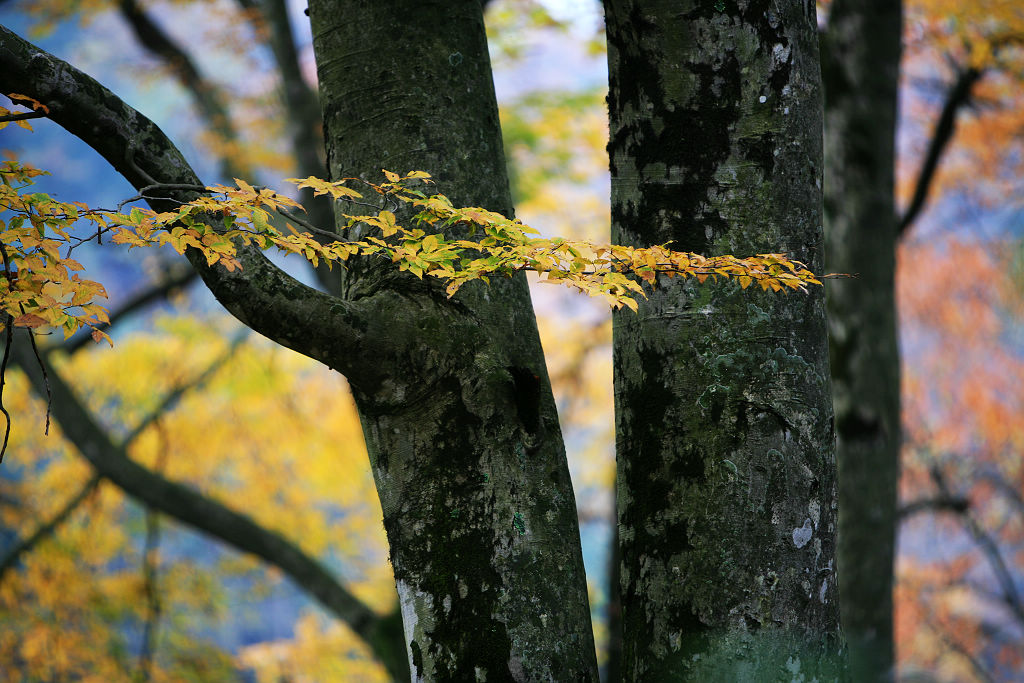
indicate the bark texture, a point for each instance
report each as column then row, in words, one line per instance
column 724, row 430
column 462, row 433
column 861, row 59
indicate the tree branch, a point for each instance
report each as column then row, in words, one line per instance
column 989, row 548
column 261, row 295
column 957, row 505
column 48, row 528
column 177, row 277
column 958, row 96
column 204, row 514
column 23, row 116
column 207, row 96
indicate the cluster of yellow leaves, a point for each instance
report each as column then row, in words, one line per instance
column 506, row 247
column 40, row 288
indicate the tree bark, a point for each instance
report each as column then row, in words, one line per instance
column 861, row 61
column 724, row 431
column 463, row 436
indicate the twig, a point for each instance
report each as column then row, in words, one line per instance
column 9, row 330
column 22, row 116
column 307, row 225
column 142, row 193
column 46, row 379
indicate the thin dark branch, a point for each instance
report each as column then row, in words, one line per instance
column 959, row 648
column 143, row 192
column 937, row 504
column 23, row 116
column 989, row 548
column 45, row 375
column 175, row 278
column 48, row 528
column 959, row 95
column 172, row 398
column 205, row 514
column 154, row 606
column 333, row 236
column 207, row 96
column 9, row 337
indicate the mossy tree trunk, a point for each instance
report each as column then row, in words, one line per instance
column 861, row 57
column 724, row 430
column 462, row 432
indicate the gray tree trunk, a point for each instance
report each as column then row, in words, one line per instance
column 724, row 430
column 462, row 432
column 861, row 58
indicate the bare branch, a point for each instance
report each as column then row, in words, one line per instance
column 22, row 117
column 207, row 96
column 204, row 514
column 958, row 96
column 989, row 548
column 175, row 279
column 956, row 505
column 48, row 528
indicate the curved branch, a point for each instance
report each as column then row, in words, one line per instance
column 111, row 462
column 990, row 549
column 47, row 528
column 958, row 96
column 176, row 278
column 207, row 96
column 261, row 295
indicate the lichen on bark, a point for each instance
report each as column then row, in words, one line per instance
column 724, row 434
column 463, row 435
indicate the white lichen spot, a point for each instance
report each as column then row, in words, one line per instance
column 675, row 640
column 793, row 668
column 762, row 99
column 824, row 589
column 780, row 53
column 480, row 673
column 801, row 535
column 814, row 508
column 411, row 601
column 544, row 620
column 785, row 110
column 447, row 603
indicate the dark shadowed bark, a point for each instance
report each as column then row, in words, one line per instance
column 463, row 436
column 861, row 66
column 724, row 431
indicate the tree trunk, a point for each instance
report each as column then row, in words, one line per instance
column 861, row 60
column 463, row 436
column 724, row 431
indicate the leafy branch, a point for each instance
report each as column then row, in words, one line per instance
column 454, row 244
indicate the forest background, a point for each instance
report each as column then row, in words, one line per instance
column 92, row 582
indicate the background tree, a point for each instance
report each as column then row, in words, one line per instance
column 724, row 433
